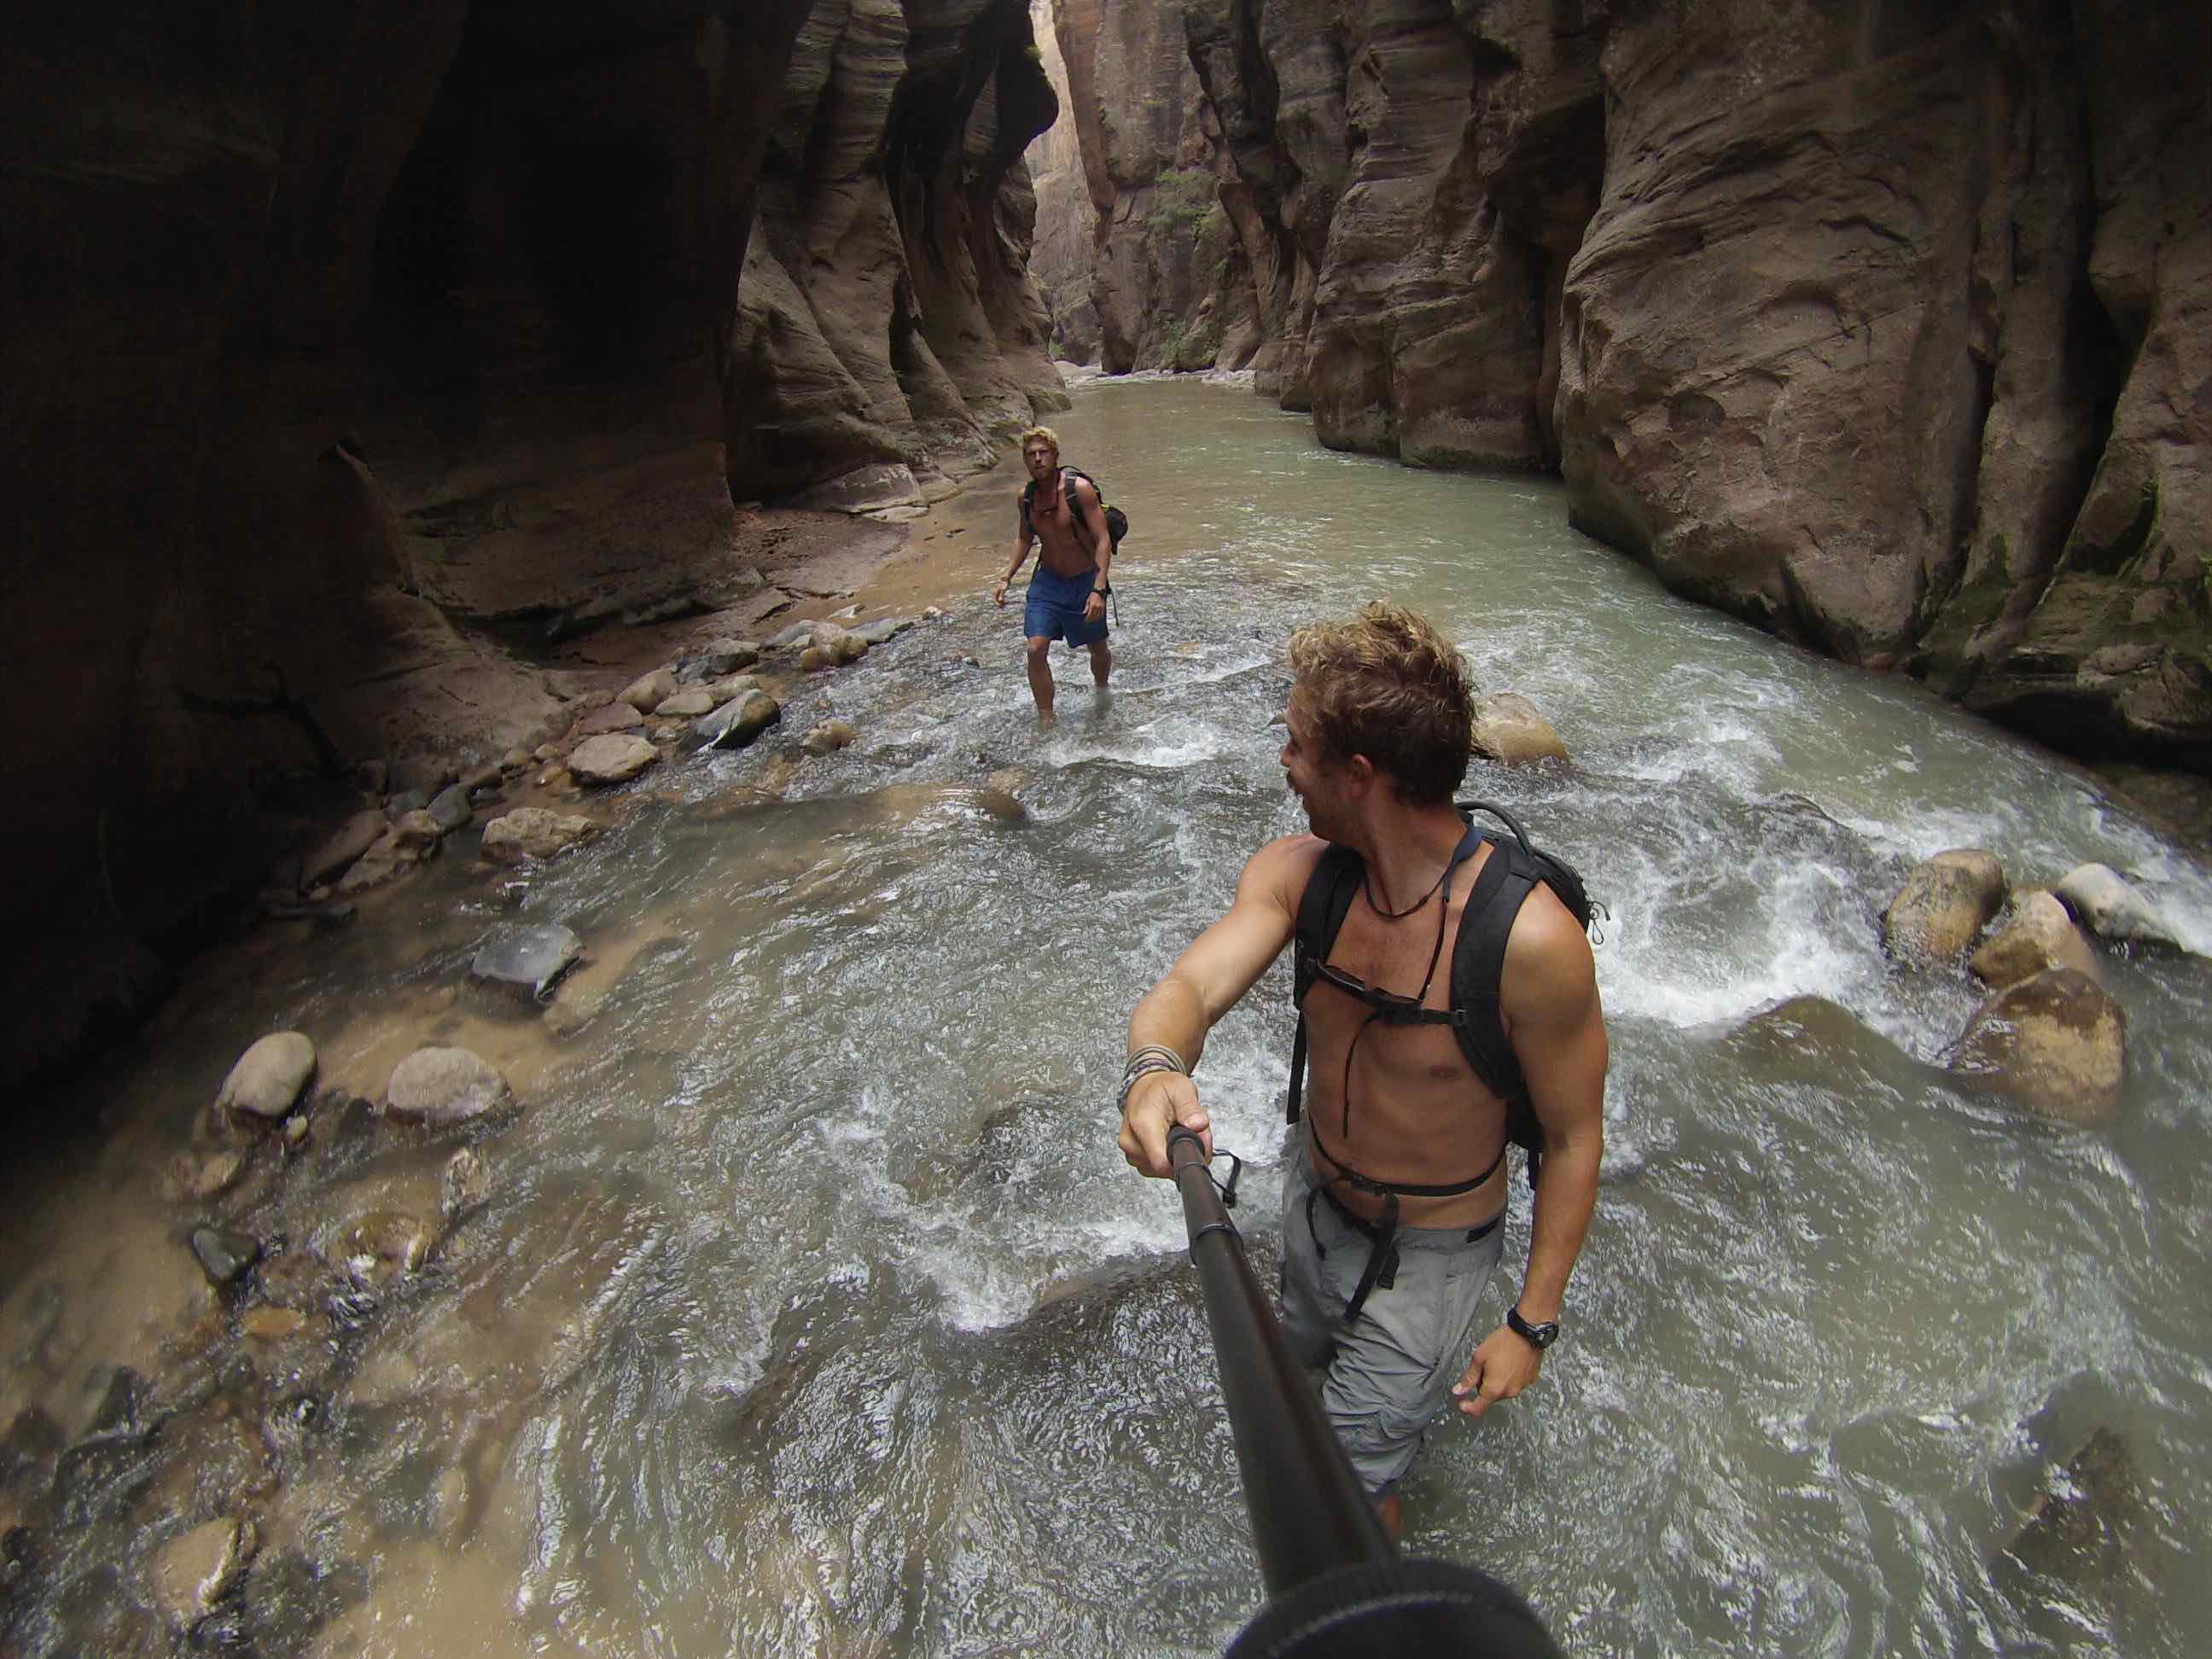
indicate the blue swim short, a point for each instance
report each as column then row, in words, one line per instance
column 1054, row 611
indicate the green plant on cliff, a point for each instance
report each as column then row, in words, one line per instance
column 1180, row 197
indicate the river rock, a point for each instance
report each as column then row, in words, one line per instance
column 195, row 1176
column 2056, row 1043
column 380, row 864
column 688, row 704
column 530, row 960
column 648, row 691
column 814, row 659
column 1511, row 730
column 884, row 629
column 453, row 809
column 738, row 722
column 443, row 1086
column 731, row 687
column 410, row 800
column 465, row 1183
column 423, row 772
column 612, row 717
column 223, row 1256
column 613, row 759
column 193, row 1573
column 716, row 658
column 2039, row 936
column 378, row 1248
column 267, row 1080
column 534, row 832
column 2109, row 907
column 359, row 832
column 841, row 645
column 2083, row 1530
column 416, row 834
column 787, row 638
column 828, row 738
column 1943, row 906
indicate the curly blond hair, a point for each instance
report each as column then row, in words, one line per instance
column 1388, row 686
column 1044, row 432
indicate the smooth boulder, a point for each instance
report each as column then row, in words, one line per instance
column 453, row 809
column 266, row 1082
column 716, row 658
column 829, row 737
column 441, row 1087
column 2109, row 907
column 688, row 705
column 1943, row 906
column 611, row 759
column 2056, row 1044
column 1513, row 732
column 2039, row 935
column 648, row 691
column 534, row 832
column 528, row 960
column 739, row 721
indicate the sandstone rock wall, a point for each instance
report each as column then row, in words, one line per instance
column 1887, row 327
column 887, row 331
column 1067, row 219
column 1169, row 282
column 347, row 344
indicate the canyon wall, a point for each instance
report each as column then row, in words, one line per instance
column 1169, row 285
column 1066, row 219
column 1887, row 327
column 347, row 345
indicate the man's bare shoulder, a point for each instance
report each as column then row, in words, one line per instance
column 1548, row 964
column 1280, row 869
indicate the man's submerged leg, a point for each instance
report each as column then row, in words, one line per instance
column 1040, row 686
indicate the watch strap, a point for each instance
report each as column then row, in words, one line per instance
column 1538, row 1337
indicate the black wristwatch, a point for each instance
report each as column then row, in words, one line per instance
column 1538, row 1337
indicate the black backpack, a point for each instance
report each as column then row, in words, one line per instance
column 1478, row 959
column 1117, row 521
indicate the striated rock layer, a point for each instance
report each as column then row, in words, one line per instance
column 1888, row 328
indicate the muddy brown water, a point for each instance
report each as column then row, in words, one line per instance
column 812, row 1312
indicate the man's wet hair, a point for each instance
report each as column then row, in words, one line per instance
column 1388, row 686
column 1044, row 432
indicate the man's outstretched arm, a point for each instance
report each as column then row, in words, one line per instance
column 1206, row 981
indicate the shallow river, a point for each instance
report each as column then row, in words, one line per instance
column 813, row 1311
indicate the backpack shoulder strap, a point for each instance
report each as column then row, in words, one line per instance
column 1479, row 966
column 1322, row 906
column 1074, row 501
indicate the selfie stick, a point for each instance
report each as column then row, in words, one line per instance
column 1338, row 1589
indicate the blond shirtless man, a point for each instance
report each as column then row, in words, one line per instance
column 1061, row 513
column 1401, row 1182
